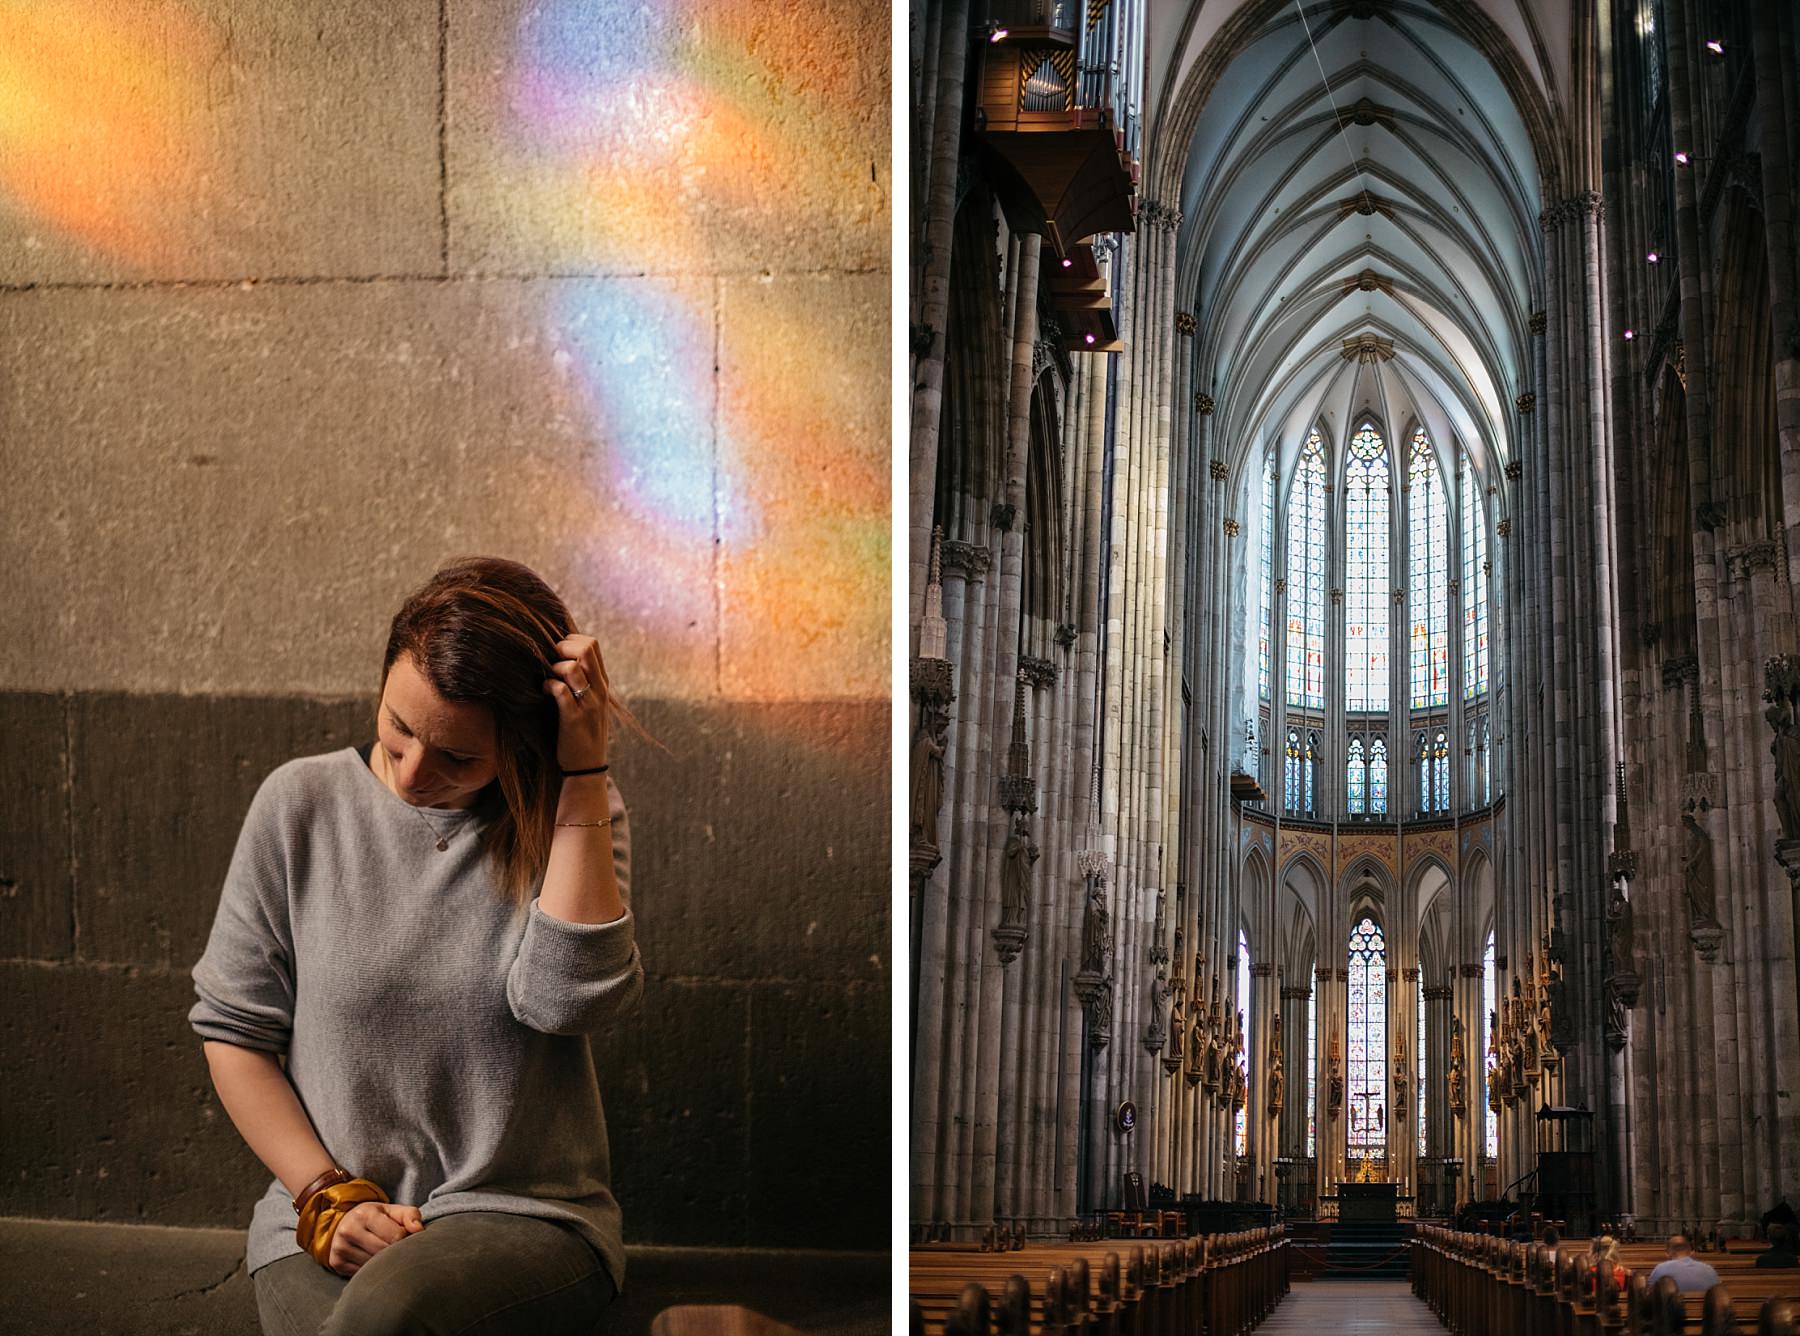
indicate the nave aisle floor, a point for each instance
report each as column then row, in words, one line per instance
column 1349, row 1308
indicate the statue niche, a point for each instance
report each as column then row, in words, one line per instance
column 927, row 773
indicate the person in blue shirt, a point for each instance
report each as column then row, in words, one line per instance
column 1688, row 1270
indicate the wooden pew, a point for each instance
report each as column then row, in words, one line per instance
column 1483, row 1286
column 1223, row 1283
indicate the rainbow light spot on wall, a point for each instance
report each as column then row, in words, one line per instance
column 98, row 119
column 695, row 141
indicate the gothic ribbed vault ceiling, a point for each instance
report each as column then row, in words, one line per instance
column 1416, row 227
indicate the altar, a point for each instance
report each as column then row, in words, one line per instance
column 1368, row 1203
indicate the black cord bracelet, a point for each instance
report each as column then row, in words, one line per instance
column 596, row 770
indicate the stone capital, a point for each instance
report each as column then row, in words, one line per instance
column 1037, row 672
column 967, row 559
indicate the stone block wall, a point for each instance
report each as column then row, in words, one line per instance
column 299, row 300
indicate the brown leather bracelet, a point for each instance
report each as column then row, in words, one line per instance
column 330, row 1178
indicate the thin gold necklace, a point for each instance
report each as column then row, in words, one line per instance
column 442, row 837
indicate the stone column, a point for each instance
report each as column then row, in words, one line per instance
column 933, row 299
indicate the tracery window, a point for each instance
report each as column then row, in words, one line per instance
column 1431, row 752
column 1427, row 523
column 1309, row 769
column 1266, row 601
column 1367, row 1094
column 1490, row 1119
column 1366, row 776
column 1481, row 791
column 1419, row 1071
column 1366, row 598
column 1306, row 579
column 1290, row 788
column 1474, row 589
column 1378, row 777
column 1312, row 1063
column 1243, row 1006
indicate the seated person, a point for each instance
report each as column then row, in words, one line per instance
column 1688, row 1270
column 1781, row 1248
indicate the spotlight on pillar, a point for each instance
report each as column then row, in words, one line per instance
column 1068, row 263
column 1088, row 338
column 1716, row 47
column 1630, row 334
column 997, row 35
column 1654, row 257
column 1681, row 158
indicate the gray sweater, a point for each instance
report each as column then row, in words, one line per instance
column 435, row 1034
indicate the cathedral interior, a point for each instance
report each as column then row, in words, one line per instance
column 1354, row 701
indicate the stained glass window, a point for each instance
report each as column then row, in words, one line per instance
column 1440, row 773
column 1427, row 590
column 1490, row 1120
column 1422, row 755
column 1419, row 1071
column 1309, row 769
column 1367, row 1093
column 1243, row 1004
column 1366, row 597
column 1378, row 777
column 1306, row 579
column 1356, row 772
column 1474, row 588
column 1268, row 582
column 1312, row 1063
column 1290, row 796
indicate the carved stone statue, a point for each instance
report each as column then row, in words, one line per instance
column 1697, row 870
column 1615, row 1019
column 1400, row 1084
column 1455, row 1079
column 1784, row 717
column 928, row 776
column 1334, row 1080
column 1277, row 1085
column 1015, row 875
column 1622, row 936
column 1095, row 924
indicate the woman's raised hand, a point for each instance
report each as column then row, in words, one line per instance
column 584, row 723
column 368, row 1228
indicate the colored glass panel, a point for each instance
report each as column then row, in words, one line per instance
column 1266, row 604
column 1474, row 588
column 1367, row 486
column 1427, row 593
column 1243, row 1003
column 1419, row 1071
column 1378, row 778
column 1366, row 1097
column 1355, row 775
column 1306, row 579
column 1312, row 1063
column 1490, row 1120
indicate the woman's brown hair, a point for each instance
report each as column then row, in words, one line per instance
column 484, row 630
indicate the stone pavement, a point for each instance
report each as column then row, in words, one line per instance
column 1350, row 1308
column 149, row 1280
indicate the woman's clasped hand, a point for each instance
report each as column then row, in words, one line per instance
column 365, row 1230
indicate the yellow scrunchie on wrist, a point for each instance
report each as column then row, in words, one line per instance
column 326, row 1209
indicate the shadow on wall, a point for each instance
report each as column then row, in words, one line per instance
column 753, row 1088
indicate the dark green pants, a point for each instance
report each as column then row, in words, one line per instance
column 482, row 1273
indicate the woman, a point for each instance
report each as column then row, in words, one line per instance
column 426, row 930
